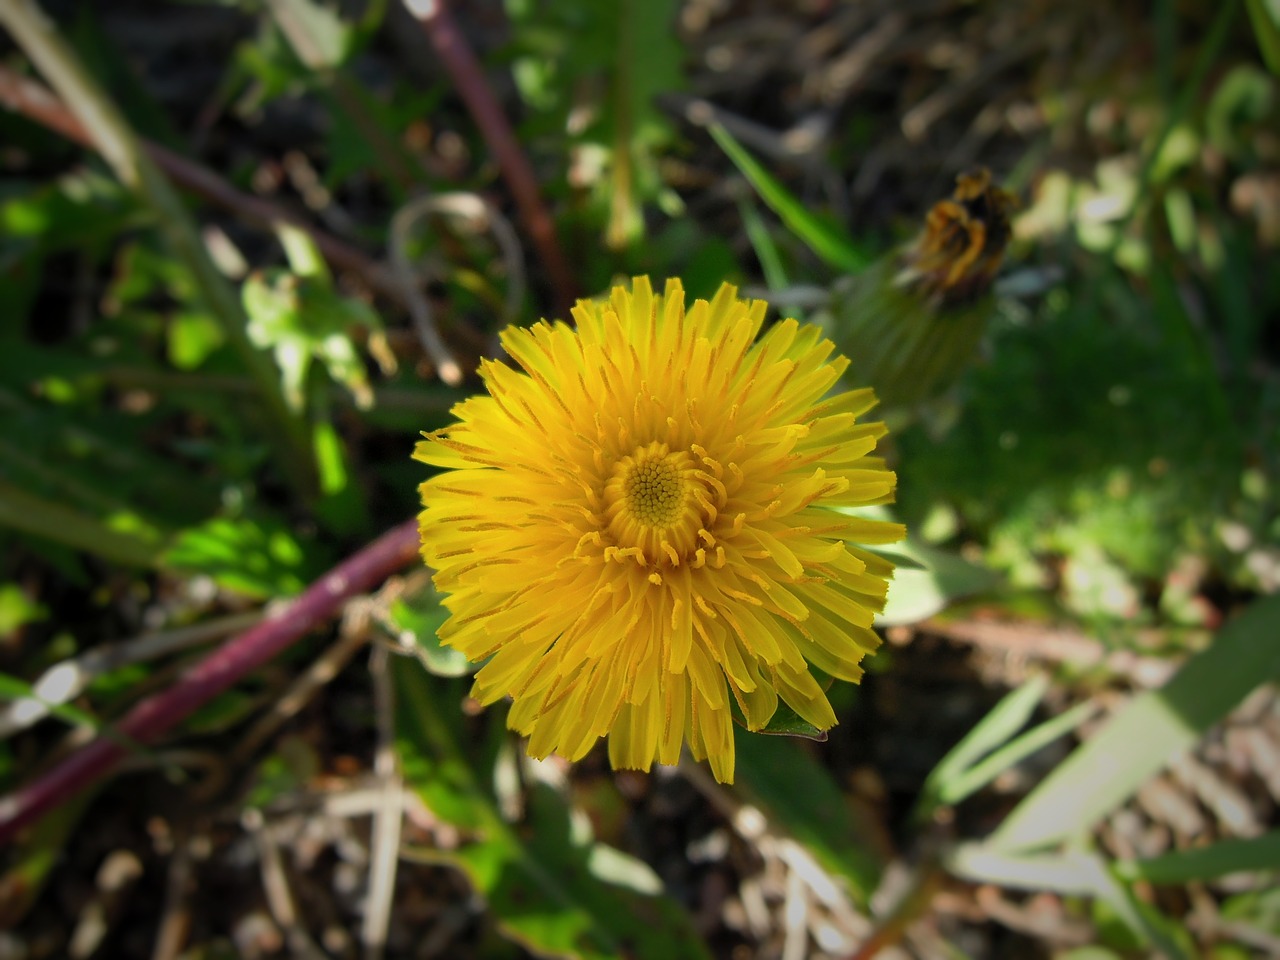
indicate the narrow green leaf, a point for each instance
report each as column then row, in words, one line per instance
column 986, row 770
column 1104, row 772
column 928, row 581
column 43, row 518
column 775, row 274
column 801, row 798
column 827, row 241
column 1265, row 17
column 1005, row 719
column 1207, row 863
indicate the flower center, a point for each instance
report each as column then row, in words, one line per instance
column 653, row 492
column 651, row 503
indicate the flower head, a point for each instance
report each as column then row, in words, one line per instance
column 636, row 528
column 959, row 251
column 911, row 322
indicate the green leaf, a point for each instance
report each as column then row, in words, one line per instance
column 303, row 319
column 1206, row 863
column 800, row 797
column 785, row 722
column 775, row 274
column 135, row 545
column 823, row 238
column 549, row 889
column 258, row 558
column 193, row 336
column 420, row 617
column 1005, row 719
column 17, row 609
column 986, row 770
column 1240, row 106
column 929, row 581
column 1265, row 17
column 18, row 691
column 1108, row 769
column 317, row 34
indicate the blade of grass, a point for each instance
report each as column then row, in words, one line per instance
column 1206, row 863
column 53, row 521
column 1108, row 769
column 116, row 141
column 986, row 770
column 775, row 274
column 824, row 239
column 1005, row 719
column 1265, row 17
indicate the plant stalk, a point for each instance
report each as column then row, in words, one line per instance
column 474, row 89
column 155, row 715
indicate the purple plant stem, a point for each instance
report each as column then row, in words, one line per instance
column 240, row 655
column 470, row 81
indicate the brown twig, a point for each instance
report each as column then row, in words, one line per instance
column 39, row 104
column 212, row 675
column 469, row 79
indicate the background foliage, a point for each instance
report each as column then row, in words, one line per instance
column 1070, row 746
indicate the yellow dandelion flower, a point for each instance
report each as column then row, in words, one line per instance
column 636, row 530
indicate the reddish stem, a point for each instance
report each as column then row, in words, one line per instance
column 39, row 104
column 468, row 77
column 239, row 656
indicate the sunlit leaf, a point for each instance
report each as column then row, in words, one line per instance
column 257, row 558
column 1073, row 874
column 934, row 579
column 1105, row 771
column 418, row 618
column 1000, row 724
